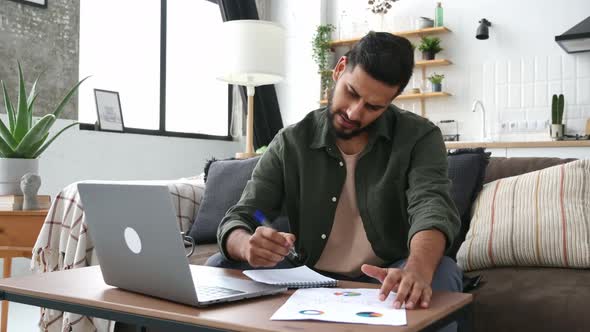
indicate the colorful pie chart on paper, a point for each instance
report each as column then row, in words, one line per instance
column 369, row 314
column 347, row 294
column 311, row 312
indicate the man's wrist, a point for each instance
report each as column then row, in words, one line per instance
column 235, row 243
column 413, row 265
column 426, row 250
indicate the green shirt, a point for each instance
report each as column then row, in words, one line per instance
column 401, row 183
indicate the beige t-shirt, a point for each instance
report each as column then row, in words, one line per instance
column 348, row 247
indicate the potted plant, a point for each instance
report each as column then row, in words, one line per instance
column 557, row 126
column 429, row 46
column 436, row 80
column 322, row 55
column 23, row 140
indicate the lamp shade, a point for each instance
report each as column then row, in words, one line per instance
column 253, row 52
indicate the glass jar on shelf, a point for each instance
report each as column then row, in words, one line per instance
column 360, row 27
column 344, row 26
column 404, row 23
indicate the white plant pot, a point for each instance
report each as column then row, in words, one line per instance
column 557, row 131
column 11, row 172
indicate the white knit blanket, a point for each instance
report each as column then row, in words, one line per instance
column 63, row 244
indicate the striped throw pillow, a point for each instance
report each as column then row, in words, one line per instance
column 540, row 218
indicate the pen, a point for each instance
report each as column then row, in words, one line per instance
column 261, row 218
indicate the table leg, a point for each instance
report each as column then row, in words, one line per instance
column 5, row 274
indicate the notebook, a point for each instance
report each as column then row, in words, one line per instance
column 297, row 277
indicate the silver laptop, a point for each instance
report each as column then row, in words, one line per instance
column 137, row 241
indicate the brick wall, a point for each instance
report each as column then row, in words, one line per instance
column 44, row 40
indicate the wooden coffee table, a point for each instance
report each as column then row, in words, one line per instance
column 83, row 291
column 18, row 233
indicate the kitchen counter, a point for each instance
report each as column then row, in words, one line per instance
column 538, row 144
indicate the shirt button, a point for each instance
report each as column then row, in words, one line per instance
column 323, row 236
column 333, row 199
column 341, row 164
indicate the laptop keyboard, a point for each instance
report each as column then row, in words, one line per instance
column 215, row 291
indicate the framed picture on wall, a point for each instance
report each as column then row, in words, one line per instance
column 36, row 3
column 108, row 110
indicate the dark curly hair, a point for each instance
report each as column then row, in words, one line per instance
column 386, row 57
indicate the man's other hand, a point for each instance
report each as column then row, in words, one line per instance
column 412, row 287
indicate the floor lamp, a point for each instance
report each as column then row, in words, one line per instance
column 253, row 54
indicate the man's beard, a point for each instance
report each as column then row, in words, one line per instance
column 338, row 133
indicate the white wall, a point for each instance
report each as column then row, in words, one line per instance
column 84, row 155
column 515, row 72
column 299, row 93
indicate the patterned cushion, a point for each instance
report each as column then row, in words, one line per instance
column 540, row 218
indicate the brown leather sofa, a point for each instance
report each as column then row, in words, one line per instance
column 517, row 298
column 530, row 298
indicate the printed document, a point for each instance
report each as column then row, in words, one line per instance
column 355, row 305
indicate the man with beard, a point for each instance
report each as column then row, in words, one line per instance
column 364, row 185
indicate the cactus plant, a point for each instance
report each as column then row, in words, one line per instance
column 557, row 106
column 23, row 138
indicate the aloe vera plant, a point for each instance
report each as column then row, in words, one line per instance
column 22, row 138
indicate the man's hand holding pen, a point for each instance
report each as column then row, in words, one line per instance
column 265, row 248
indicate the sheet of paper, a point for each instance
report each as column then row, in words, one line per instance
column 358, row 305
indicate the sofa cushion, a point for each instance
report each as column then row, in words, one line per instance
column 532, row 299
column 226, row 180
column 466, row 171
column 535, row 219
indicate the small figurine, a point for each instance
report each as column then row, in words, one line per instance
column 30, row 184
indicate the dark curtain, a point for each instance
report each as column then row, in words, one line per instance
column 267, row 115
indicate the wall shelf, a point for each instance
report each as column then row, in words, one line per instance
column 408, row 96
column 408, row 33
column 430, row 63
column 424, row 95
column 433, row 63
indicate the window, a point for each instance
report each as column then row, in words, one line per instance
column 192, row 91
column 122, row 44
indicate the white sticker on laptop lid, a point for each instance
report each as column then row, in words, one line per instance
column 132, row 240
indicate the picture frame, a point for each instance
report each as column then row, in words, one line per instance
column 108, row 110
column 35, row 3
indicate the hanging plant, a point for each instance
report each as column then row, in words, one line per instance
column 321, row 52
